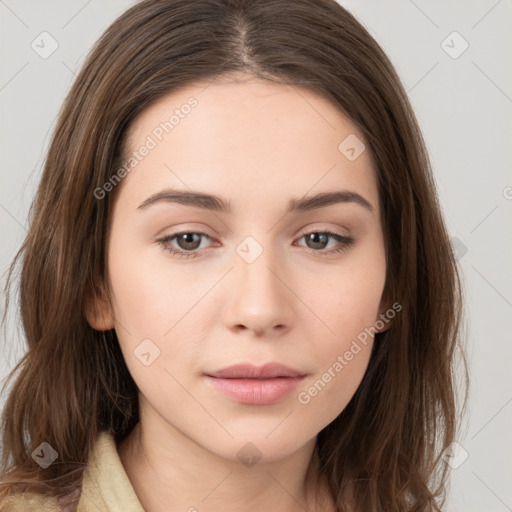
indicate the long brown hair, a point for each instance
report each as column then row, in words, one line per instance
column 384, row 451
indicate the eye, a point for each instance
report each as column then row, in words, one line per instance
column 318, row 240
column 190, row 241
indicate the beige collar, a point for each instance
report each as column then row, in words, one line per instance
column 105, row 484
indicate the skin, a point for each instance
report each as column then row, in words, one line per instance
column 257, row 144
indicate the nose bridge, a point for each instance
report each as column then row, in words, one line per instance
column 259, row 298
column 255, row 261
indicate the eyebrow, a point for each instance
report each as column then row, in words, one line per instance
column 216, row 203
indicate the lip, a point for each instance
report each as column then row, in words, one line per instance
column 250, row 371
column 255, row 385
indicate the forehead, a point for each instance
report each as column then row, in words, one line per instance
column 244, row 135
column 252, row 109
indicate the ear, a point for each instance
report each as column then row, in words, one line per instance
column 387, row 313
column 98, row 310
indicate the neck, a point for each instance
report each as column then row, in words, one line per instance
column 175, row 473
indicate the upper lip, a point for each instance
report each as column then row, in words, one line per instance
column 249, row 371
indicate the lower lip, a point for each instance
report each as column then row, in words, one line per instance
column 255, row 391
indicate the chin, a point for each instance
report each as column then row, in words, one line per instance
column 257, row 446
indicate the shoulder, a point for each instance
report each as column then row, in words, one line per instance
column 29, row 502
column 105, row 486
column 105, row 481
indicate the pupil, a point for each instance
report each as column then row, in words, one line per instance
column 314, row 238
column 188, row 238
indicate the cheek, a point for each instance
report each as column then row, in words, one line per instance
column 348, row 302
column 326, row 395
column 349, row 307
column 154, row 302
column 146, row 297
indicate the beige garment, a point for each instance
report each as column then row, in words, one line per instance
column 105, row 486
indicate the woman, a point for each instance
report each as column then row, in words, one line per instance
column 237, row 274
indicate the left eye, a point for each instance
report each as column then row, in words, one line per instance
column 322, row 237
column 189, row 242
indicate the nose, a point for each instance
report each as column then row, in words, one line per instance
column 260, row 296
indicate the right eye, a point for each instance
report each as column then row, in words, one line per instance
column 188, row 240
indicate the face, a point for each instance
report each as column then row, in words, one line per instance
column 259, row 275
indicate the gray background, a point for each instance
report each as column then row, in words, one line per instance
column 464, row 107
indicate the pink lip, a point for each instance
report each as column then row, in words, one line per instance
column 255, row 385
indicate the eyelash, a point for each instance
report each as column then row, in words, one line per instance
column 345, row 241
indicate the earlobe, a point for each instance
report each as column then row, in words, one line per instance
column 384, row 322
column 386, row 317
column 98, row 311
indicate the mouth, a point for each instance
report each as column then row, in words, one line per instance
column 255, row 385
